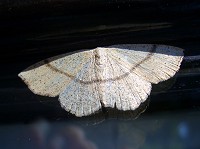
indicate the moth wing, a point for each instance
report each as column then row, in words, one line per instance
column 82, row 95
column 126, row 91
column 153, row 63
column 49, row 77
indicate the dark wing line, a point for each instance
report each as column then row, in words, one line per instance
column 151, row 53
column 53, row 68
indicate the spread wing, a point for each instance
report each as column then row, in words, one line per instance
column 153, row 63
column 80, row 97
column 116, row 76
column 51, row 76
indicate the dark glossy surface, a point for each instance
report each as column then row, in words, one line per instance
column 32, row 31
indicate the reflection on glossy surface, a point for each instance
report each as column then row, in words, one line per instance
column 183, row 130
column 161, row 131
column 71, row 137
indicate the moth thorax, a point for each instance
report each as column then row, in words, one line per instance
column 99, row 56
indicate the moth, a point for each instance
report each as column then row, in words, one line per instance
column 117, row 76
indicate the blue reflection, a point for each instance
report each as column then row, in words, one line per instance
column 183, row 130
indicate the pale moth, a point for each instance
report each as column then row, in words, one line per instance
column 115, row 76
